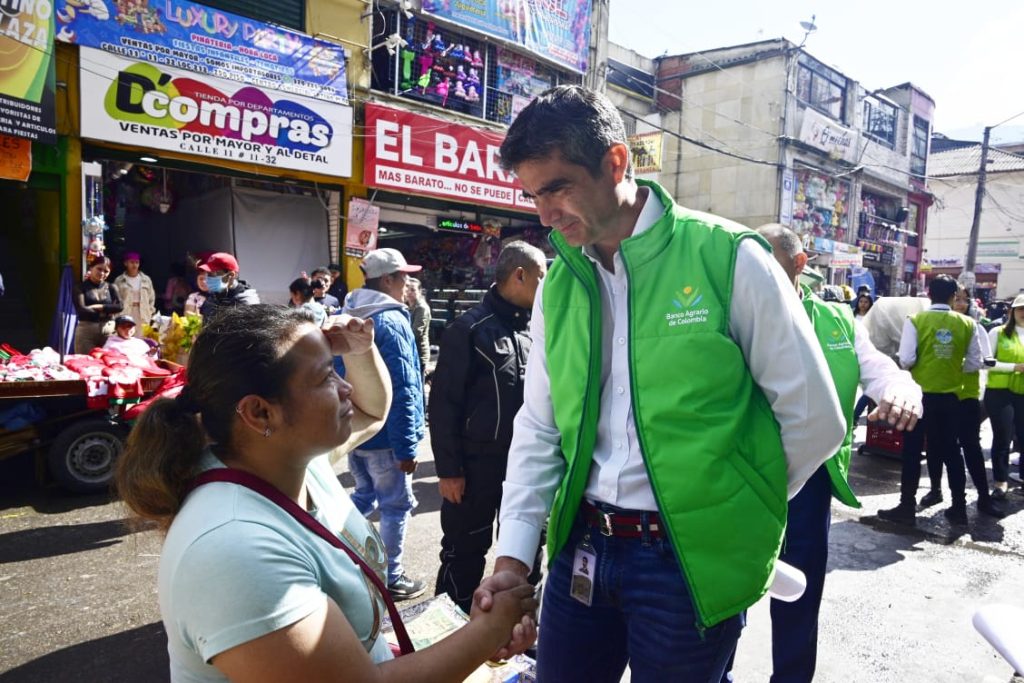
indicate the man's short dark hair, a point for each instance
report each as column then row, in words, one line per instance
column 517, row 254
column 941, row 289
column 579, row 123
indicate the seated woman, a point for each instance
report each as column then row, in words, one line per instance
column 246, row 591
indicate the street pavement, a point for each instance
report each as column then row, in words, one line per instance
column 78, row 596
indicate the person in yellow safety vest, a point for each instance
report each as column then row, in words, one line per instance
column 1004, row 395
column 938, row 346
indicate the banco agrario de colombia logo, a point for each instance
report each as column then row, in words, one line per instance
column 145, row 100
column 686, row 301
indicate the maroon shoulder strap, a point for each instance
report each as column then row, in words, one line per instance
column 251, row 481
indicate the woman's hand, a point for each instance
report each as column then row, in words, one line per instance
column 1019, row 367
column 348, row 335
column 511, row 616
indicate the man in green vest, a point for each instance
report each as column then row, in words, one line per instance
column 938, row 346
column 852, row 359
column 675, row 398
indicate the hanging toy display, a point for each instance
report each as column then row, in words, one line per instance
column 92, row 230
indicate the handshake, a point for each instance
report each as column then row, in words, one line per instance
column 507, row 604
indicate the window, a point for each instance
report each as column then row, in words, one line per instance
column 290, row 13
column 880, row 121
column 821, row 88
column 456, row 71
column 919, row 148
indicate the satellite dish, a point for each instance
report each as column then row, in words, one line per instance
column 809, row 26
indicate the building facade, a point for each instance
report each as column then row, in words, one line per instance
column 764, row 132
column 999, row 265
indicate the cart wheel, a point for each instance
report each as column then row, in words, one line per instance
column 862, row 450
column 82, row 457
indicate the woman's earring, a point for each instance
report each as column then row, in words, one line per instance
column 266, row 433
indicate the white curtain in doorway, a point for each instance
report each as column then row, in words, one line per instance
column 277, row 236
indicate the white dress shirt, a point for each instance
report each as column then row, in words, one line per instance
column 770, row 326
column 973, row 359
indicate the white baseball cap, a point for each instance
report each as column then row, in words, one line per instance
column 381, row 262
column 1018, row 301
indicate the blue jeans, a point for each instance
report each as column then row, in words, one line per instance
column 641, row 614
column 795, row 624
column 381, row 485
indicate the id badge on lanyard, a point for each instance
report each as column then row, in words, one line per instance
column 584, row 565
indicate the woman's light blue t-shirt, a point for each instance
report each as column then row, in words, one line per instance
column 235, row 567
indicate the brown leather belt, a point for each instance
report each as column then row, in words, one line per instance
column 624, row 524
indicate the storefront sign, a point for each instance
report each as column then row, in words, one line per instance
column 27, row 76
column 1000, row 248
column 988, row 268
column 558, row 30
column 825, row 134
column 15, row 158
column 456, row 225
column 361, row 226
column 156, row 108
column 786, row 203
column 190, row 36
column 646, row 149
column 423, row 155
column 846, row 256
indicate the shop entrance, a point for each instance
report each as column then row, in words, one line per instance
column 29, row 248
column 170, row 215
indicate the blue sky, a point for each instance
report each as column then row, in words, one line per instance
column 966, row 55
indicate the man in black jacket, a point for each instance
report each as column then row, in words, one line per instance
column 476, row 392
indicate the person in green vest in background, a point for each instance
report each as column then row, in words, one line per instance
column 938, row 346
column 675, row 397
column 968, row 425
column 852, row 359
column 1004, row 394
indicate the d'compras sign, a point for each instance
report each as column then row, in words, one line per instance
column 424, row 155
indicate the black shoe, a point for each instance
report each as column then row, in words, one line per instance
column 956, row 514
column 903, row 513
column 998, row 493
column 404, row 588
column 991, row 508
column 931, row 498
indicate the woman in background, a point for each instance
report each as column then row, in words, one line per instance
column 97, row 302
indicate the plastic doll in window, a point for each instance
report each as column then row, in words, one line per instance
column 426, row 62
column 472, row 93
column 430, row 37
column 477, row 61
column 473, row 80
column 460, row 73
column 442, row 90
column 460, row 90
column 407, row 59
column 457, row 52
column 438, row 46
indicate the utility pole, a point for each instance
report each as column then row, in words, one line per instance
column 967, row 277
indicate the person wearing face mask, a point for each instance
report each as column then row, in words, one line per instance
column 224, row 287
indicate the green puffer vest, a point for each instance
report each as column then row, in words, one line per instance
column 833, row 325
column 708, row 435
